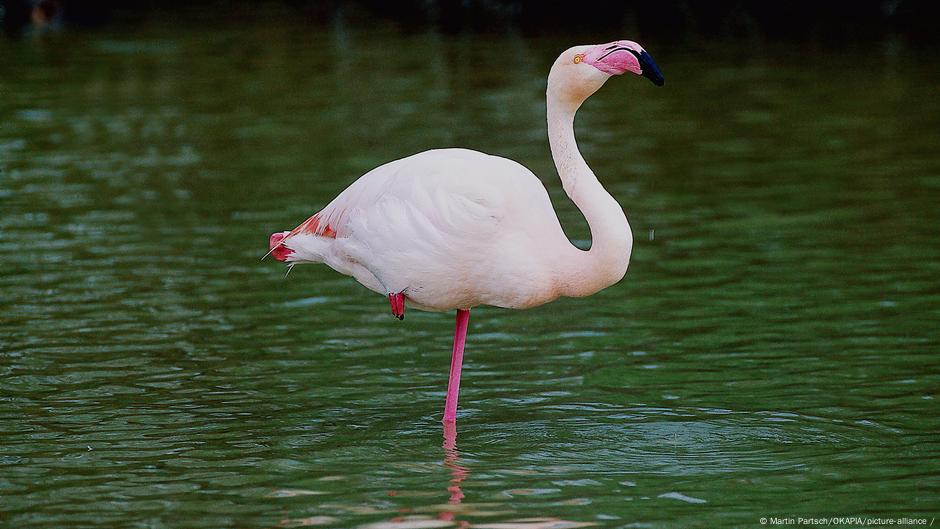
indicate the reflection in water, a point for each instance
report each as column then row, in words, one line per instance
column 451, row 458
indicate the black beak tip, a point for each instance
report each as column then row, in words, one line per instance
column 651, row 69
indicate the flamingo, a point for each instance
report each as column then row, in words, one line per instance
column 451, row 229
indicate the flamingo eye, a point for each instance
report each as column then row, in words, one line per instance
column 578, row 58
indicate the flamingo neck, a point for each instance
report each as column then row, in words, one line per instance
column 582, row 273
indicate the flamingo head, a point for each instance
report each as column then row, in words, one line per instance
column 580, row 71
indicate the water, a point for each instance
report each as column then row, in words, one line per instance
column 772, row 351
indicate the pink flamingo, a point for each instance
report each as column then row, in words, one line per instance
column 452, row 229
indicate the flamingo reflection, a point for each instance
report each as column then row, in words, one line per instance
column 457, row 472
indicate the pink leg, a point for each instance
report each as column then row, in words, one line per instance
column 456, row 362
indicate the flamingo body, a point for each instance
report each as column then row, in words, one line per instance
column 448, row 228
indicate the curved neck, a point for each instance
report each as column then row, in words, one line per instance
column 582, row 272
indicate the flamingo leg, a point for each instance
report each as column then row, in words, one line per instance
column 456, row 362
column 397, row 301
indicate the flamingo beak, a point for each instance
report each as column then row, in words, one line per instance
column 650, row 69
column 620, row 57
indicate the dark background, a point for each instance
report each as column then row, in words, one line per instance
column 679, row 20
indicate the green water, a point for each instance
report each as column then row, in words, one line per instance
column 773, row 350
